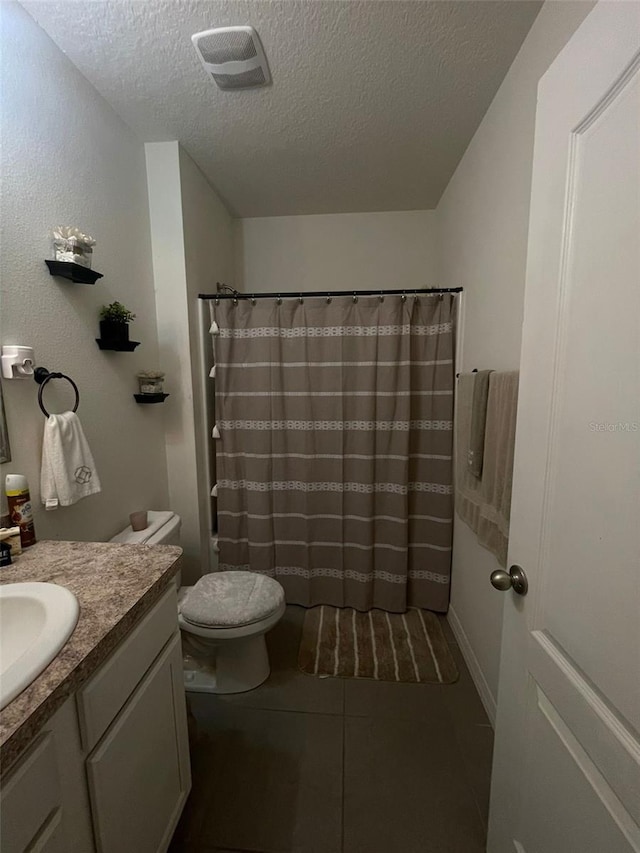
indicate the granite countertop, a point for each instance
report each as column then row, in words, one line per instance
column 114, row 584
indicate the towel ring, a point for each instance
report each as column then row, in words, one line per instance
column 42, row 376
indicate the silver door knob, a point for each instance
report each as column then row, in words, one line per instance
column 514, row 579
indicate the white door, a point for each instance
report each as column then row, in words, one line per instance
column 567, row 762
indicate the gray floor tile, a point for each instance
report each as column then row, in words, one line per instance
column 446, row 628
column 365, row 697
column 476, row 748
column 287, row 688
column 405, row 791
column 474, row 733
column 268, row 781
column 462, row 697
column 268, row 765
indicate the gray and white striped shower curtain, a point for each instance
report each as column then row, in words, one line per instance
column 334, row 456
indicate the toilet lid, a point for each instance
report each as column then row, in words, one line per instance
column 231, row 599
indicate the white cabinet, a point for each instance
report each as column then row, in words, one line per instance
column 30, row 805
column 139, row 773
column 110, row 771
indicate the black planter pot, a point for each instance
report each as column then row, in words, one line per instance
column 114, row 332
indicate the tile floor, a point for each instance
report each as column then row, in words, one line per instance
column 310, row 765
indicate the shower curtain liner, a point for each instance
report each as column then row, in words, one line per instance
column 334, row 456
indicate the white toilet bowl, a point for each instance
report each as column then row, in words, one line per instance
column 230, row 614
column 223, row 619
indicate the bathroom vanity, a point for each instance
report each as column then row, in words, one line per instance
column 94, row 753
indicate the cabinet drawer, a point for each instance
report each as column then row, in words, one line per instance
column 30, row 797
column 102, row 697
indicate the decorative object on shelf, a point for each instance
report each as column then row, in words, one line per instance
column 150, row 398
column 151, row 381
column 74, row 272
column 71, row 246
column 17, row 362
column 42, row 376
column 114, row 328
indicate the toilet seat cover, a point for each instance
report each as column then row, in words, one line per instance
column 231, row 599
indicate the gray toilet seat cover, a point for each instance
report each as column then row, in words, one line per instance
column 231, row 599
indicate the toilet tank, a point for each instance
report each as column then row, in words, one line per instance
column 163, row 529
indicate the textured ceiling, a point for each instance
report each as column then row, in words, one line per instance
column 372, row 105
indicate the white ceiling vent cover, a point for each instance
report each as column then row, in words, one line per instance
column 234, row 57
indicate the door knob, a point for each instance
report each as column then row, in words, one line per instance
column 514, row 579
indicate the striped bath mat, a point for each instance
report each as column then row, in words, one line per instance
column 386, row 646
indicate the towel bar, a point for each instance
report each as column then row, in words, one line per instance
column 42, row 376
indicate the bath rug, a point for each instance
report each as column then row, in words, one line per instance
column 408, row 647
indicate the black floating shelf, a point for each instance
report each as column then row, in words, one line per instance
column 118, row 346
column 74, row 272
column 150, row 398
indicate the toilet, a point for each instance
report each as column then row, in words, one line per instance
column 223, row 618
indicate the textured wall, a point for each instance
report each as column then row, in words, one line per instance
column 209, row 256
column 483, row 221
column 68, row 159
column 192, row 249
column 348, row 251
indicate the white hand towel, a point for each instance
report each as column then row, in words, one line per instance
column 68, row 471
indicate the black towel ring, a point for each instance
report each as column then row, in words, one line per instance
column 42, row 376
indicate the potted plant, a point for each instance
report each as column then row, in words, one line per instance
column 114, row 322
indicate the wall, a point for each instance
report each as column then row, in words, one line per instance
column 209, row 255
column 482, row 223
column 192, row 249
column 68, row 159
column 345, row 251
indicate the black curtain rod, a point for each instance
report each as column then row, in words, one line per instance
column 297, row 295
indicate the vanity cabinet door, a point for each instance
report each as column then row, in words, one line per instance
column 139, row 774
column 30, row 802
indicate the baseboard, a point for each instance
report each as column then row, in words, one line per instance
column 472, row 662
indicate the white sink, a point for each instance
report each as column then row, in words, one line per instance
column 36, row 620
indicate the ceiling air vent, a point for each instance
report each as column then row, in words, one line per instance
column 233, row 56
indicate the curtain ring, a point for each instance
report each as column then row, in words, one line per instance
column 440, row 297
column 278, row 300
column 217, row 302
column 235, row 300
column 328, row 299
column 381, row 297
column 253, row 300
column 355, row 297
column 404, row 297
column 300, row 299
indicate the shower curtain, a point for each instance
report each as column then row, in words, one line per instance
column 334, row 455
